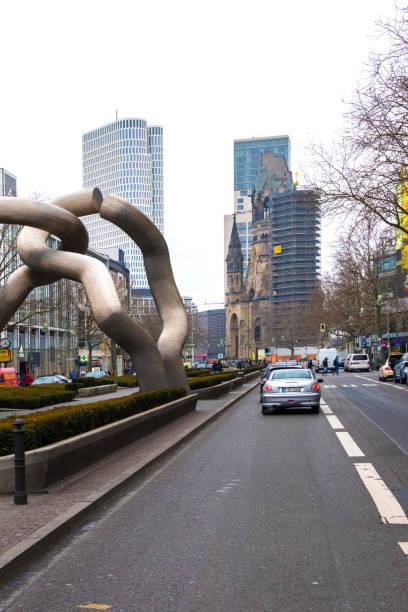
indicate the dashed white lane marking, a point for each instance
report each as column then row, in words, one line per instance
column 325, row 409
column 330, row 386
column 348, row 385
column 334, row 421
column 404, row 547
column 387, row 505
column 365, row 377
column 369, row 384
column 349, row 445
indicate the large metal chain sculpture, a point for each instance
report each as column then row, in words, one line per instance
column 157, row 366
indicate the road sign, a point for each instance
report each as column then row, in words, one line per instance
column 277, row 249
column 6, row 355
column 397, row 341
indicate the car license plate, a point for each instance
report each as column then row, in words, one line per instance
column 288, row 389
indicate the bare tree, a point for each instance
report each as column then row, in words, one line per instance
column 364, row 174
column 356, row 293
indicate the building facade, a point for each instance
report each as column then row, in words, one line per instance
column 247, row 154
column 211, row 335
column 263, row 307
column 8, row 183
column 125, row 158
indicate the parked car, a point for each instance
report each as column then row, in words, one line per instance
column 49, row 378
column 291, row 388
column 356, row 362
column 98, row 374
column 400, row 372
column 385, row 372
column 271, row 367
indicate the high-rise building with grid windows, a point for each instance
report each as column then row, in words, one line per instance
column 125, row 158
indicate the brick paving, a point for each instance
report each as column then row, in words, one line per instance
column 17, row 523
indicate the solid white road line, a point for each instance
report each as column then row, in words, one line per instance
column 334, row 422
column 404, row 547
column 349, row 445
column 390, row 510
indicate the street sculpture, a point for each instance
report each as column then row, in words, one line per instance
column 157, row 366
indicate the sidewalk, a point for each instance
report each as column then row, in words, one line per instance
column 25, row 531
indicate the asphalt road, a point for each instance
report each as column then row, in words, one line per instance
column 384, row 403
column 256, row 513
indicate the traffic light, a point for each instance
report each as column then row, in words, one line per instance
column 322, row 328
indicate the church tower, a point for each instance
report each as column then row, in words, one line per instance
column 235, row 263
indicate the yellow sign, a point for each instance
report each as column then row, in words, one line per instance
column 6, row 355
column 277, row 249
column 254, row 253
column 401, row 237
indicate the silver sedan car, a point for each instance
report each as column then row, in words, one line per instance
column 291, row 389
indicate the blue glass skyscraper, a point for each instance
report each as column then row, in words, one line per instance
column 247, row 156
column 125, row 158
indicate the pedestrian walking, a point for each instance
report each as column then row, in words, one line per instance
column 336, row 366
column 325, row 365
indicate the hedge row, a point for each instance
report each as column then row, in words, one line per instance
column 29, row 398
column 126, row 380
column 193, row 372
column 42, row 428
column 208, row 381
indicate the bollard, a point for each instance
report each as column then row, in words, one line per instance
column 20, row 494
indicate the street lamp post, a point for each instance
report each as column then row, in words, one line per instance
column 362, row 324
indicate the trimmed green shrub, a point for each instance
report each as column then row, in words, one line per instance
column 193, row 372
column 29, row 398
column 89, row 381
column 42, row 428
column 126, row 380
column 209, row 381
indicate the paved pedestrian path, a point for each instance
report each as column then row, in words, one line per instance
column 53, row 512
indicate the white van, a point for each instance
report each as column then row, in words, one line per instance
column 357, row 361
column 330, row 353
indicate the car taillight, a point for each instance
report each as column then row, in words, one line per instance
column 315, row 386
column 267, row 388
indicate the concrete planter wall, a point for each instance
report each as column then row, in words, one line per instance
column 56, row 461
column 225, row 387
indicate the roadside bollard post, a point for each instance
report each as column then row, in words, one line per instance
column 20, row 493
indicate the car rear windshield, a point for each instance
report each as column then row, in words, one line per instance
column 360, row 357
column 291, row 374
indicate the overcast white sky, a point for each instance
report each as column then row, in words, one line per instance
column 208, row 72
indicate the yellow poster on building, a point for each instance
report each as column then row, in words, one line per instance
column 401, row 233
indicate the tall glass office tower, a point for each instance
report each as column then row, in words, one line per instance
column 125, row 158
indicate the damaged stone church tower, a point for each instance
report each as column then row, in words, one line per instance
column 282, row 268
